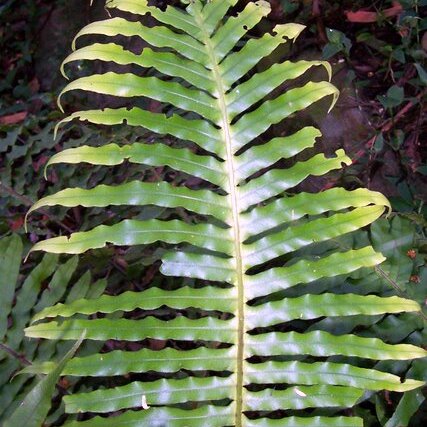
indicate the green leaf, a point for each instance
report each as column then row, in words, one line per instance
column 239, row 63
column 33, row 410
column 319, row 343
column 172, row 16
column 149, row 300
column 276, row 181
column 338, row 42
column 216, row 416
column 205, row 167
column 306, row 271
column 408, row 405
column 325, row 305
column 328, row 373
column 27, row 297
column 265, row 155
column 313, row 422
column 302, row 397
column 256, row 122
column 422, row 73
column 157, row 36
column 138, row 193
column 155, row 393
column 206, row 267
column 125, row 362
column 129, row 85
column 181, row 328
column 198, row 131
column 10, row 260
column 292, row 208
column 133, row 232
column 166, row 62
column 213, row 13
column 303, row 235
column 236, row 27
column 262, row 84
column 394, row 97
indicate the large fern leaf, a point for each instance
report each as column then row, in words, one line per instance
column 230, row 357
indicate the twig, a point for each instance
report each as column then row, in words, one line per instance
column 390, row 123
column 22, row 359
column 316, row 11
column 25, row 200
column 28, row 202
column 396, row 287
column 36, row 34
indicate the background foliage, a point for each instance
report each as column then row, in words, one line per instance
column 380, row 67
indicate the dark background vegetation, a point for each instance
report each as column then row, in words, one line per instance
column 378, row 50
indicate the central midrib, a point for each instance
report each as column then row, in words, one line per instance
column 225, row 126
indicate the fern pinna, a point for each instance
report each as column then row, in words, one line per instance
column 242, row 348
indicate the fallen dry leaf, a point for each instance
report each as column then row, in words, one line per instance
column 34, row 85
column 424, row 41
column 365, row 16
column 40, row 162
column 12, row 119
column 17, row 223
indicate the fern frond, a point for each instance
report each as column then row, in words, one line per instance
column 259, row 245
